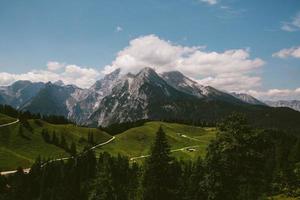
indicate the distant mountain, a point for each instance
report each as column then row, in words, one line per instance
column 121, row 97
column 89, row 100
column 52, row 100
column 293, row 104
column 187, row 85
column 142, row 96
column 19, row 92
column 247, row 98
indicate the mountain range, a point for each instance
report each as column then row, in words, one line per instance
column 294, row 104
column 119, row 97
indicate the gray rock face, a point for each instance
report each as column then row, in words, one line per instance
column 132, row 97
column 121, row 97
column 247, row 98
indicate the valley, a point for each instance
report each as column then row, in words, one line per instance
column 21, row 149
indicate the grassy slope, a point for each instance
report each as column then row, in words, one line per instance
column 16, row 150
column 137, row 141
column 4, row 119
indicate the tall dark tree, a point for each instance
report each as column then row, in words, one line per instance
column 55, row 139
column 91, row 138
column 73, row 149
column 235, row 161
column 46, row 136
column 63, row 142
column 157, row 181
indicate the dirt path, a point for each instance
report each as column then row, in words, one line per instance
column 59, row 159
column 8, row 124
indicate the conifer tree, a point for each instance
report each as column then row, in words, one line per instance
column 73, row 149
column 157, row 178
column 63, row 142
column 54, row 139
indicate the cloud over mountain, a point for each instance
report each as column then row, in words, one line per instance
column 276, row 94
column 69, row 74
column 220, row 69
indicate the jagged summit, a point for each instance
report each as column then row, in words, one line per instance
column 59, row 83
column 119, row 97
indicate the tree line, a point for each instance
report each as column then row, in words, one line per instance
column 25, row 115
column 242, row 163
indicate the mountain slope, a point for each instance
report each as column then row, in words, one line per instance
column 90, row 99
column 19, row 93
column 247, row 98
column 187, row 85
column 51, row 100
column 139, row 96
column 294, row 104
column 146, row 95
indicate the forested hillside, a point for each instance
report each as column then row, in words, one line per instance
column 242, row 163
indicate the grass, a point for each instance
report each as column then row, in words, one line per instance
column 4, row 119
column 137, row 141
column 21, row 150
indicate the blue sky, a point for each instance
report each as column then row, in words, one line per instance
column 89, row 34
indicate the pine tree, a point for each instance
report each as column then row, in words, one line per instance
column 55, row 139
column 157, row 178
column 73, row 149
column 63, row 142
column 90, row 138
column 46, row 136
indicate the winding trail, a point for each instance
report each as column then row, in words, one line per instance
column 96, row 146
column 174, row 150
column 8, row 124
column 60, row 159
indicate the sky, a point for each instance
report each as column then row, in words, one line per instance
column 233, row 45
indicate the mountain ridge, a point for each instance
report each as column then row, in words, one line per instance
column 119, row 97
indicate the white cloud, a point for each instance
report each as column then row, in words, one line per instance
column 53, row 65
column 232, row 82
column 293, row 25
column 276, row 94
column 119, row 29
column 210, row 2
column 71, row 74
column 290, row 52
column 223, row 69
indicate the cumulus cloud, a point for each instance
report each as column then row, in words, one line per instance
column 293, row 25
column 219, row 69
column 232, row 82
column 290, row 52
column 53, row 65
column 210, row 2
column 70, row 74
column 276, row 94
